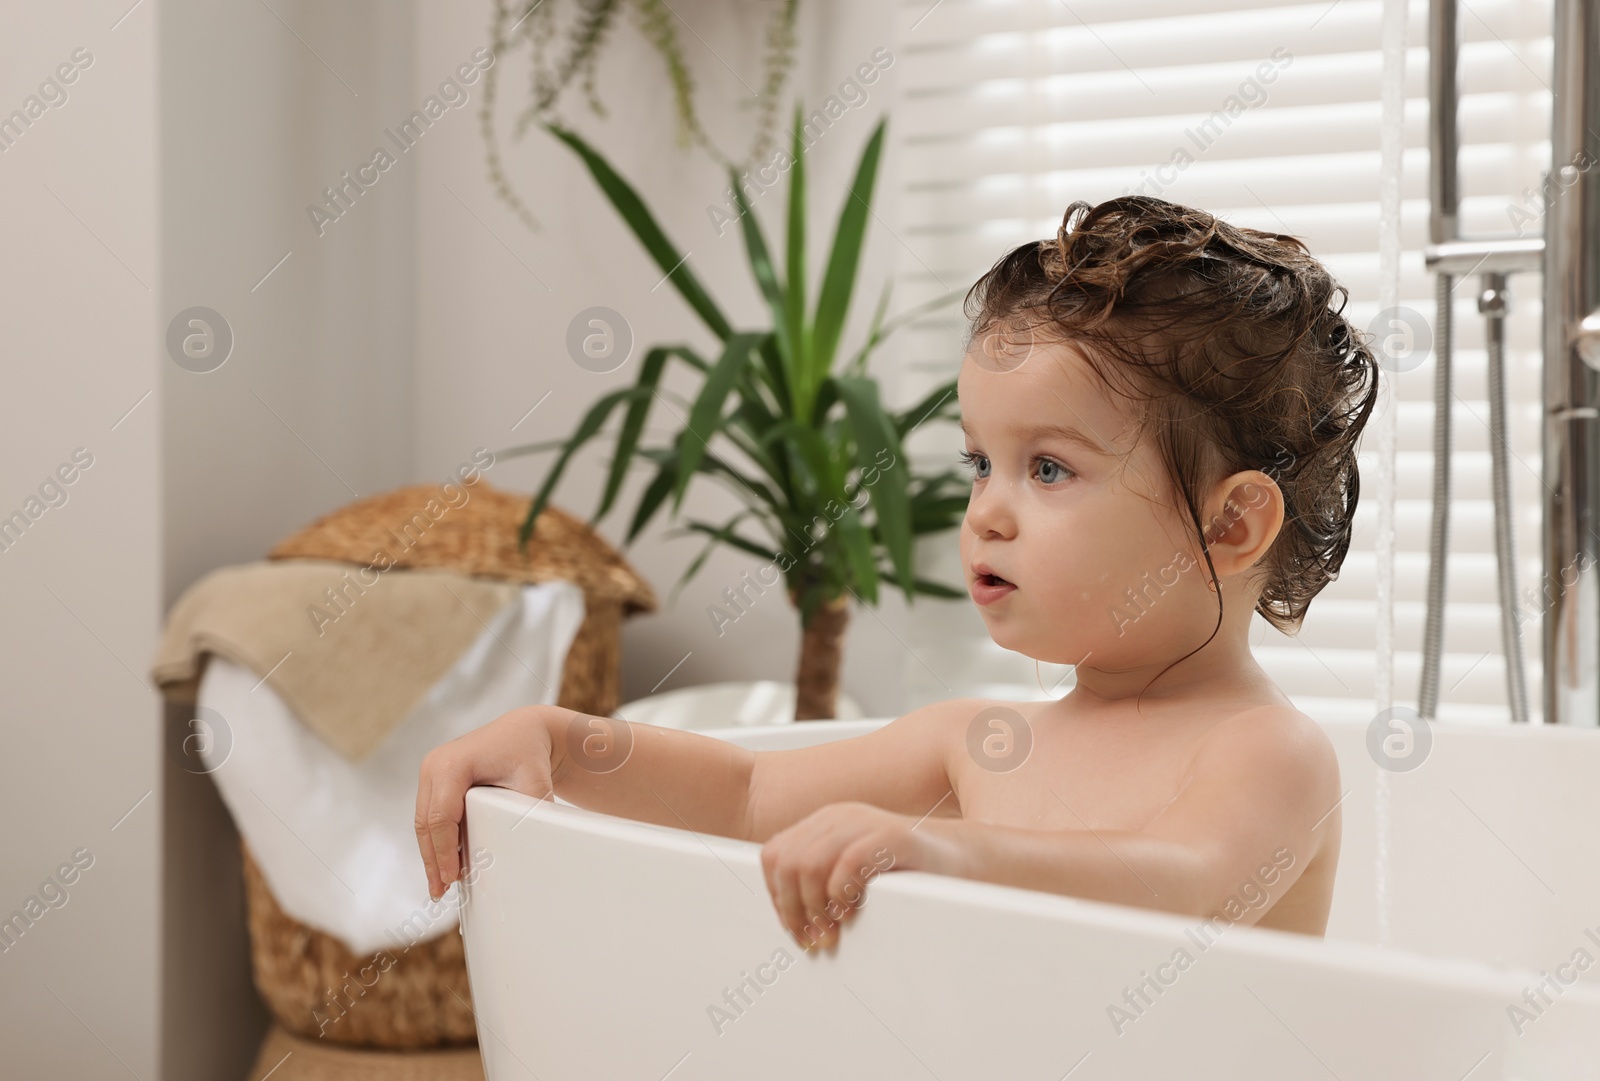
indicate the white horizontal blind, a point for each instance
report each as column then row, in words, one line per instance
column 1011, row 109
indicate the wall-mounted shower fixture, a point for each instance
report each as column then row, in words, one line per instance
column 1569, row 256
column 1571, row 380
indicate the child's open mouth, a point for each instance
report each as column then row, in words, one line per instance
column 988, row 587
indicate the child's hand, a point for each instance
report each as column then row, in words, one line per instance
column 817, row 869
column 513, row 751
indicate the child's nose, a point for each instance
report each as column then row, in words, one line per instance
column 989, row 510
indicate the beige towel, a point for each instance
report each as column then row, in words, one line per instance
column 351, row 650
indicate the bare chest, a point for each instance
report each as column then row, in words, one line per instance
column 1023, row 767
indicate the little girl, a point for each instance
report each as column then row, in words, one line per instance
column 1161, row 414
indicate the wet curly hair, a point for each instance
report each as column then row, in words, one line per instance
column 1232, row 342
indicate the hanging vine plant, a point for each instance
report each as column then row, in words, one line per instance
column 556, row 64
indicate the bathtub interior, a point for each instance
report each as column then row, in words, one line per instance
column 1480, row 855
column 1476, row 853
column 584, row 926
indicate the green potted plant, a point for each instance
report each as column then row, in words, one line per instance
column 828, row 479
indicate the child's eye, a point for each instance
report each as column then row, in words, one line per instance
column 1060, row 471
column 969, row 459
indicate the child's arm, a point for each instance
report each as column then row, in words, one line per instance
column 639, row 771
column 1249, row 821
column 686, row 779
column 900, row 766
column 674, row 777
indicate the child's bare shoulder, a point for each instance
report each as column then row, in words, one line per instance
column 1282, row 751
column 1281, row 726
column 952, row 724
column 952, row 717
column 1269, row 731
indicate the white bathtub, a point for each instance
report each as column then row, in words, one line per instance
column 602, row 948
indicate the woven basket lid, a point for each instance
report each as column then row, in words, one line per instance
column 417, row 526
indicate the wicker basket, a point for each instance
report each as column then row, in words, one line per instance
column 315, row 987
column 284, row 1057
column 403, row 998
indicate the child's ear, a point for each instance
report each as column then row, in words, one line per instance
column 1244, row 513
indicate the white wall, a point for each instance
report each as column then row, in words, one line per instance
column 495, row 300
column 263, row 106
column 378, row 353
column 80, row 283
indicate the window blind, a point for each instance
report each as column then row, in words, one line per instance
column 1268, row 115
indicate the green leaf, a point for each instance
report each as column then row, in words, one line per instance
column 934, row 516
column 807, row 469
column 740, row 484
column 766, row 502
column 878, row 447
column 827, row 395
column 880, row 334
column 706, row 416
column 857, row 546
column 933, row 588
column 586, row 431
column 654, row 495
column 816, row 461
column 858, row 366
column 633, row 423
column 529, row 448
column 777, row 380
column 748, row 419
column 644, row 226
column 838, row 282
column 939, row 502
column 795, row 245
column 761, row 264
column 919, row 311
column 938, row 402
column 725, row 536
column 718, row 535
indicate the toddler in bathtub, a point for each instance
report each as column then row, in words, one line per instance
column 1161, row 414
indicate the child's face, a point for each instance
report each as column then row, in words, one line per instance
column 1073, row 527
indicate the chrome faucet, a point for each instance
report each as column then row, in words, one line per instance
column 1569, row 256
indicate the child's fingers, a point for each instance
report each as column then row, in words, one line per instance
column 814, row 897
column 783, row 887
column 787, row 903
column 842, row 885
column 444, row 827
column 446, row 803
column 791, row 910
column 424, row 840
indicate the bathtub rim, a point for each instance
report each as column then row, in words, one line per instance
column 1244, row 940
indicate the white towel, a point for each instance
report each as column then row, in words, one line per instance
column 335, row 839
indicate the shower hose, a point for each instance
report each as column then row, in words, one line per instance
column 1493, row 304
